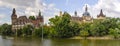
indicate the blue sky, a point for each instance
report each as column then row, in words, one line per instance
column 70, row 5
column 50, row 8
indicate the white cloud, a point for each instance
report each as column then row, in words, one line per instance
column 30, row 7
column 51, row 5
column 111, row 8
column 2, row 16
column 2, row 20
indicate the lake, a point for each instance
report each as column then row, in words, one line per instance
column 55, row 42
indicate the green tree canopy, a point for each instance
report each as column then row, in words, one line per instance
column 32, row 17
column 63, row 26
column 5, row 29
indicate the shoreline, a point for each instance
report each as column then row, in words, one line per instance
column 93, row 38
column 75, row 37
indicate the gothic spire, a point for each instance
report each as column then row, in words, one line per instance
column 14, row 11
column 75, row 13
column 86, row 8
column 39, row 13
column 101, row 12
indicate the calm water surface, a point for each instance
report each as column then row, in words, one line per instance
column 56, row 42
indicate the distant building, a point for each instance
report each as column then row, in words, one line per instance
column 85, row 17
column 76, row 18
column 20, row 22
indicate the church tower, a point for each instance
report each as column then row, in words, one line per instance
column 13, row 16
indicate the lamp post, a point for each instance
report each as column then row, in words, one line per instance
column 42, row 29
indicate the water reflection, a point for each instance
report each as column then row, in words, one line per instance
column 56, row 42
column 26, row 42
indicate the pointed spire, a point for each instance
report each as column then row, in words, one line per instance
column 14, row 11
column 39, row 13
column 86, row 8
column 75, row 13
column 101, row 12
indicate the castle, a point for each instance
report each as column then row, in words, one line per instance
column 20, row 22
column 86, row 17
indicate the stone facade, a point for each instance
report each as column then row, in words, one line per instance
column 20, row 22
column 86, row 17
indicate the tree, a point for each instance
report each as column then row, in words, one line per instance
column 37, row 32
column 27, row 30
column 32, row 17
column 19, row 32
column 84, row 33
column 6, row 30
column 115, row 33
column 100, row 27
column 0, row 29
column 75, row 27
column 46, row 31
column 63, row 26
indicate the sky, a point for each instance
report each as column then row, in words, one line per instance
column 50, row 8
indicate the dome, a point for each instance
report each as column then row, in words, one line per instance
column 86, row 14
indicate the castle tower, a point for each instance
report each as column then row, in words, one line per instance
column 39, row 13
column 101, row 15
column 86, row 15
column 60, row 13
column 101, row 12
column 75, row 13
column 40, row 19
column 13, row 16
